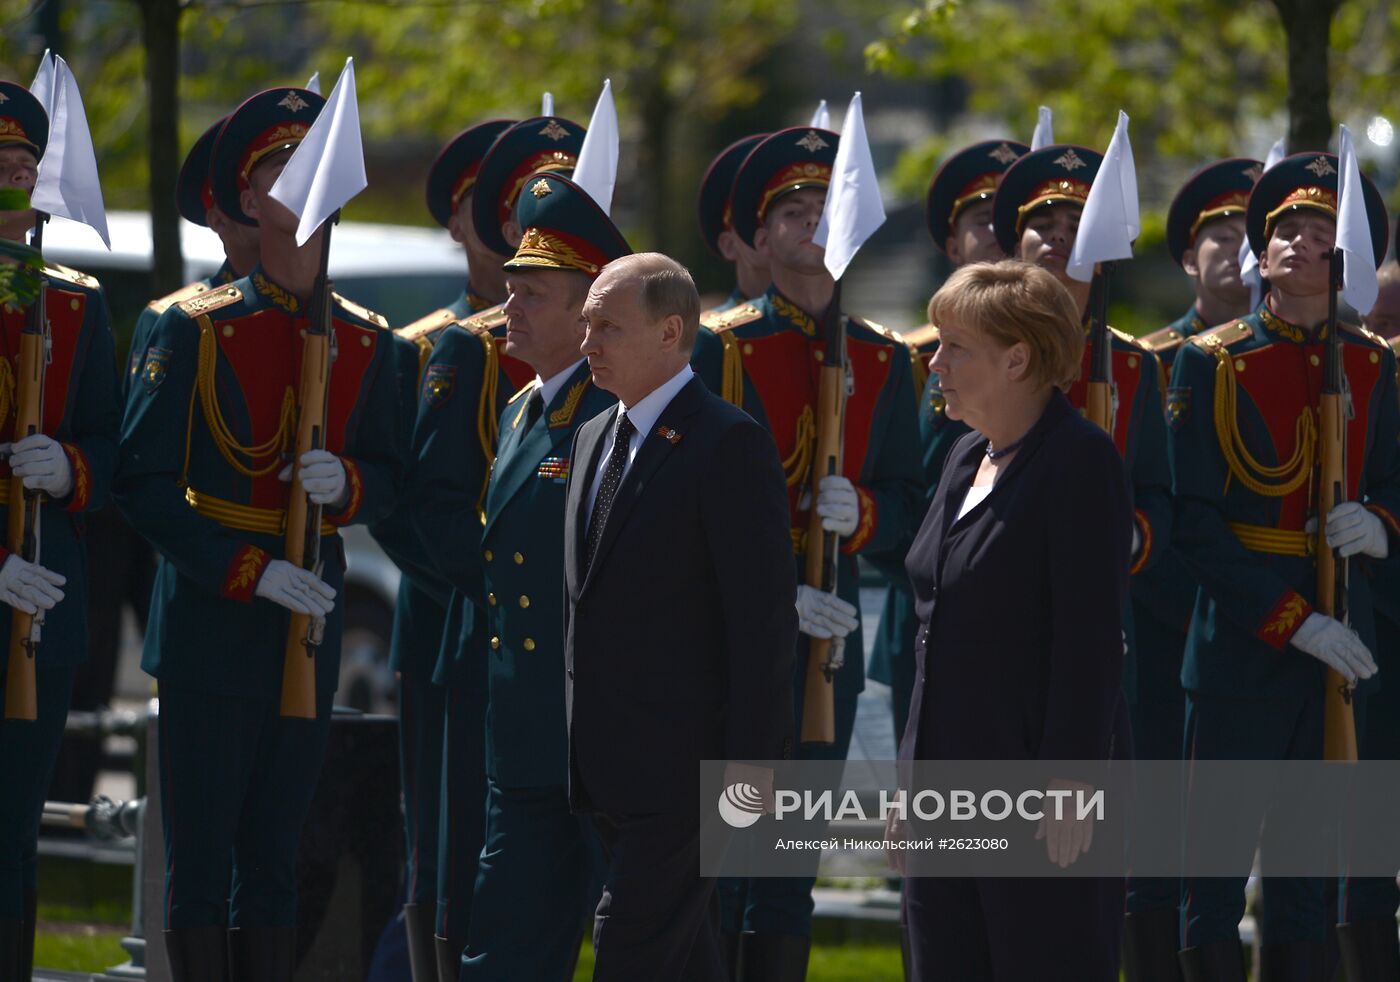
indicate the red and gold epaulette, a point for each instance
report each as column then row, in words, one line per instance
column 726, row 320
column 487, row 320
column 435, row 321
column 364, row 313
column 210, row 301
column 920, row 336
column 1162, row 339
column 65, row 274
column 1226, row 334
column 179, row 296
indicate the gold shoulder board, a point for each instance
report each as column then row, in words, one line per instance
column 438, row 319
column 725, row 320
column 1364, row 332
column 1162, row 339
column 179, row 296
column 65, row 274
column 921, row 336
column 211, row 300
column 488, row 319
column 364, row 313
column 1227, row 334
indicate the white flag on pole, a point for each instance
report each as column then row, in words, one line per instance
column 853, row 208
column 313, row 84
column 1359, row 284
column 327, row 168
column 1249, row 262
column 1110, row 221
column 821, row 119
column 68, row 184
column 596, row 170
column 1044, row 134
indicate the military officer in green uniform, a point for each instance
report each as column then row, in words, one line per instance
column 873, row 505
column 538, row 856
column 1205, row 230
column 958, row 211
column 717, row 227
column 70, row 464
column 203, row 475
column 1243, row 403
column 466, row 383
column 420, row 611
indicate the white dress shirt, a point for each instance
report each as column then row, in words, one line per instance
column 549, row 388
column 643, row 416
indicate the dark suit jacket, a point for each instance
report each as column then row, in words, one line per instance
column 679, row 642
column 1020, row 650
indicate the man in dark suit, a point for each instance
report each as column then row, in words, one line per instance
column 679, row 622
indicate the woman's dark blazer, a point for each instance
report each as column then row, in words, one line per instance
column 1020, row 646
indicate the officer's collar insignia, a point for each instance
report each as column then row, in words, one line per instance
column 666, row 433
column 1254, row 172
column 541, row 189
column 787, row 309
column 812, row 142
column 564, row 415
column 1070, row 161
column 293, row 102
column 1321, row 166
column 1277, row 325
column 1003, row 154
column 554, row 131
column 275, row 294
column 437, row 384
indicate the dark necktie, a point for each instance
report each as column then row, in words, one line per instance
column 534, row 408
column 607, row 486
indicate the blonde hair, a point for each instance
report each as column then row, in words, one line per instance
column 1016, row 302
column 666, row 288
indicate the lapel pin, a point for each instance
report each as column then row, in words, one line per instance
column 669, row 434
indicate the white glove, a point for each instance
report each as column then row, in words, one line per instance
column 838, row 505
column 28, row 586
column 323, row 476
column 43, row 465
column 1333, row 643
column 292, row 587
column 1351, row 529
column 824, row 615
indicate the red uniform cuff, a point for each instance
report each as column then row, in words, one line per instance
column 1284, row 620
column 869, row 518
column 357, row 492
column 82, row 479
column 1145, row 548
column 244, row 572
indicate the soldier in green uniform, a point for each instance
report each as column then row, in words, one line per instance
column 466, row 383
column 717, row 227
column 1205, row 230
column 538, row 856
column 1243, row 404
column 202, row 474
column 873, row 505
column 70, row 463
column 958, row 210
column 420, row 611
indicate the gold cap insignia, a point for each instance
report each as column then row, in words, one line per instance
column 1321, row 166
column 666, row 433
column 812, row 142
column 1254, row 172
column 1070, row 160
column 1003, row 154
column 541, row 189
column 293, row 102
column 554, row 131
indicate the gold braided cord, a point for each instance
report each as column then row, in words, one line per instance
column 796, row 466
column 223, row 437
column 487, row 425
column 1277, row 542
column 1268, row 481
column 731, row 388
column 7, row 389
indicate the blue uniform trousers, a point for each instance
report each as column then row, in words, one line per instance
column 462, row 809
column 1158, row 733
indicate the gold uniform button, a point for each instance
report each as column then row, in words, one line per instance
column 487, row 554
column 303, row 332
column 1314, row 361
column 819, row 356
column 228, row 330
column 883, row 355
column 1239, row 364
column 748, row 349
column 1132, row 361
column 365, row 340
column 74, row 304
column 491, row 599
column 495, row 643
column 529, row 644
column 519, row 559
column 1375, row 358
column 524, row 601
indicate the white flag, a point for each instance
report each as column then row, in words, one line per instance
column 1359, row 285
column 853, row 208
column 313, row 84
column 42, row 86
column 1249, row 262
column 327, row 168
column 821, row 119
column 68, row 185
column 1110, row 221
column 1044, row 134
column 596, row 170
column 547, row 104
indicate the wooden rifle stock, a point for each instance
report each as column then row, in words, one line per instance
column 22, row 538
column 824, row 654
column 1338, row 715
column 303, row 535
column 1098, row 403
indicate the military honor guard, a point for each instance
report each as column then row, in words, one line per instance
column 958, row 211
column 63, row 468
column 873, row 505
column 539, row 856
column 209, row 429
column 1244, row 404
column 717, row 226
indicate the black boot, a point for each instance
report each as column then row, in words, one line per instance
column 262, row 954
column 1370, row 952
column 27, row 925
column 773, row 957
column 1292, row 961
column 1150, row 945
column 197, row 954
column 418, row 921
column 1221, row 961
column 449, row 959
